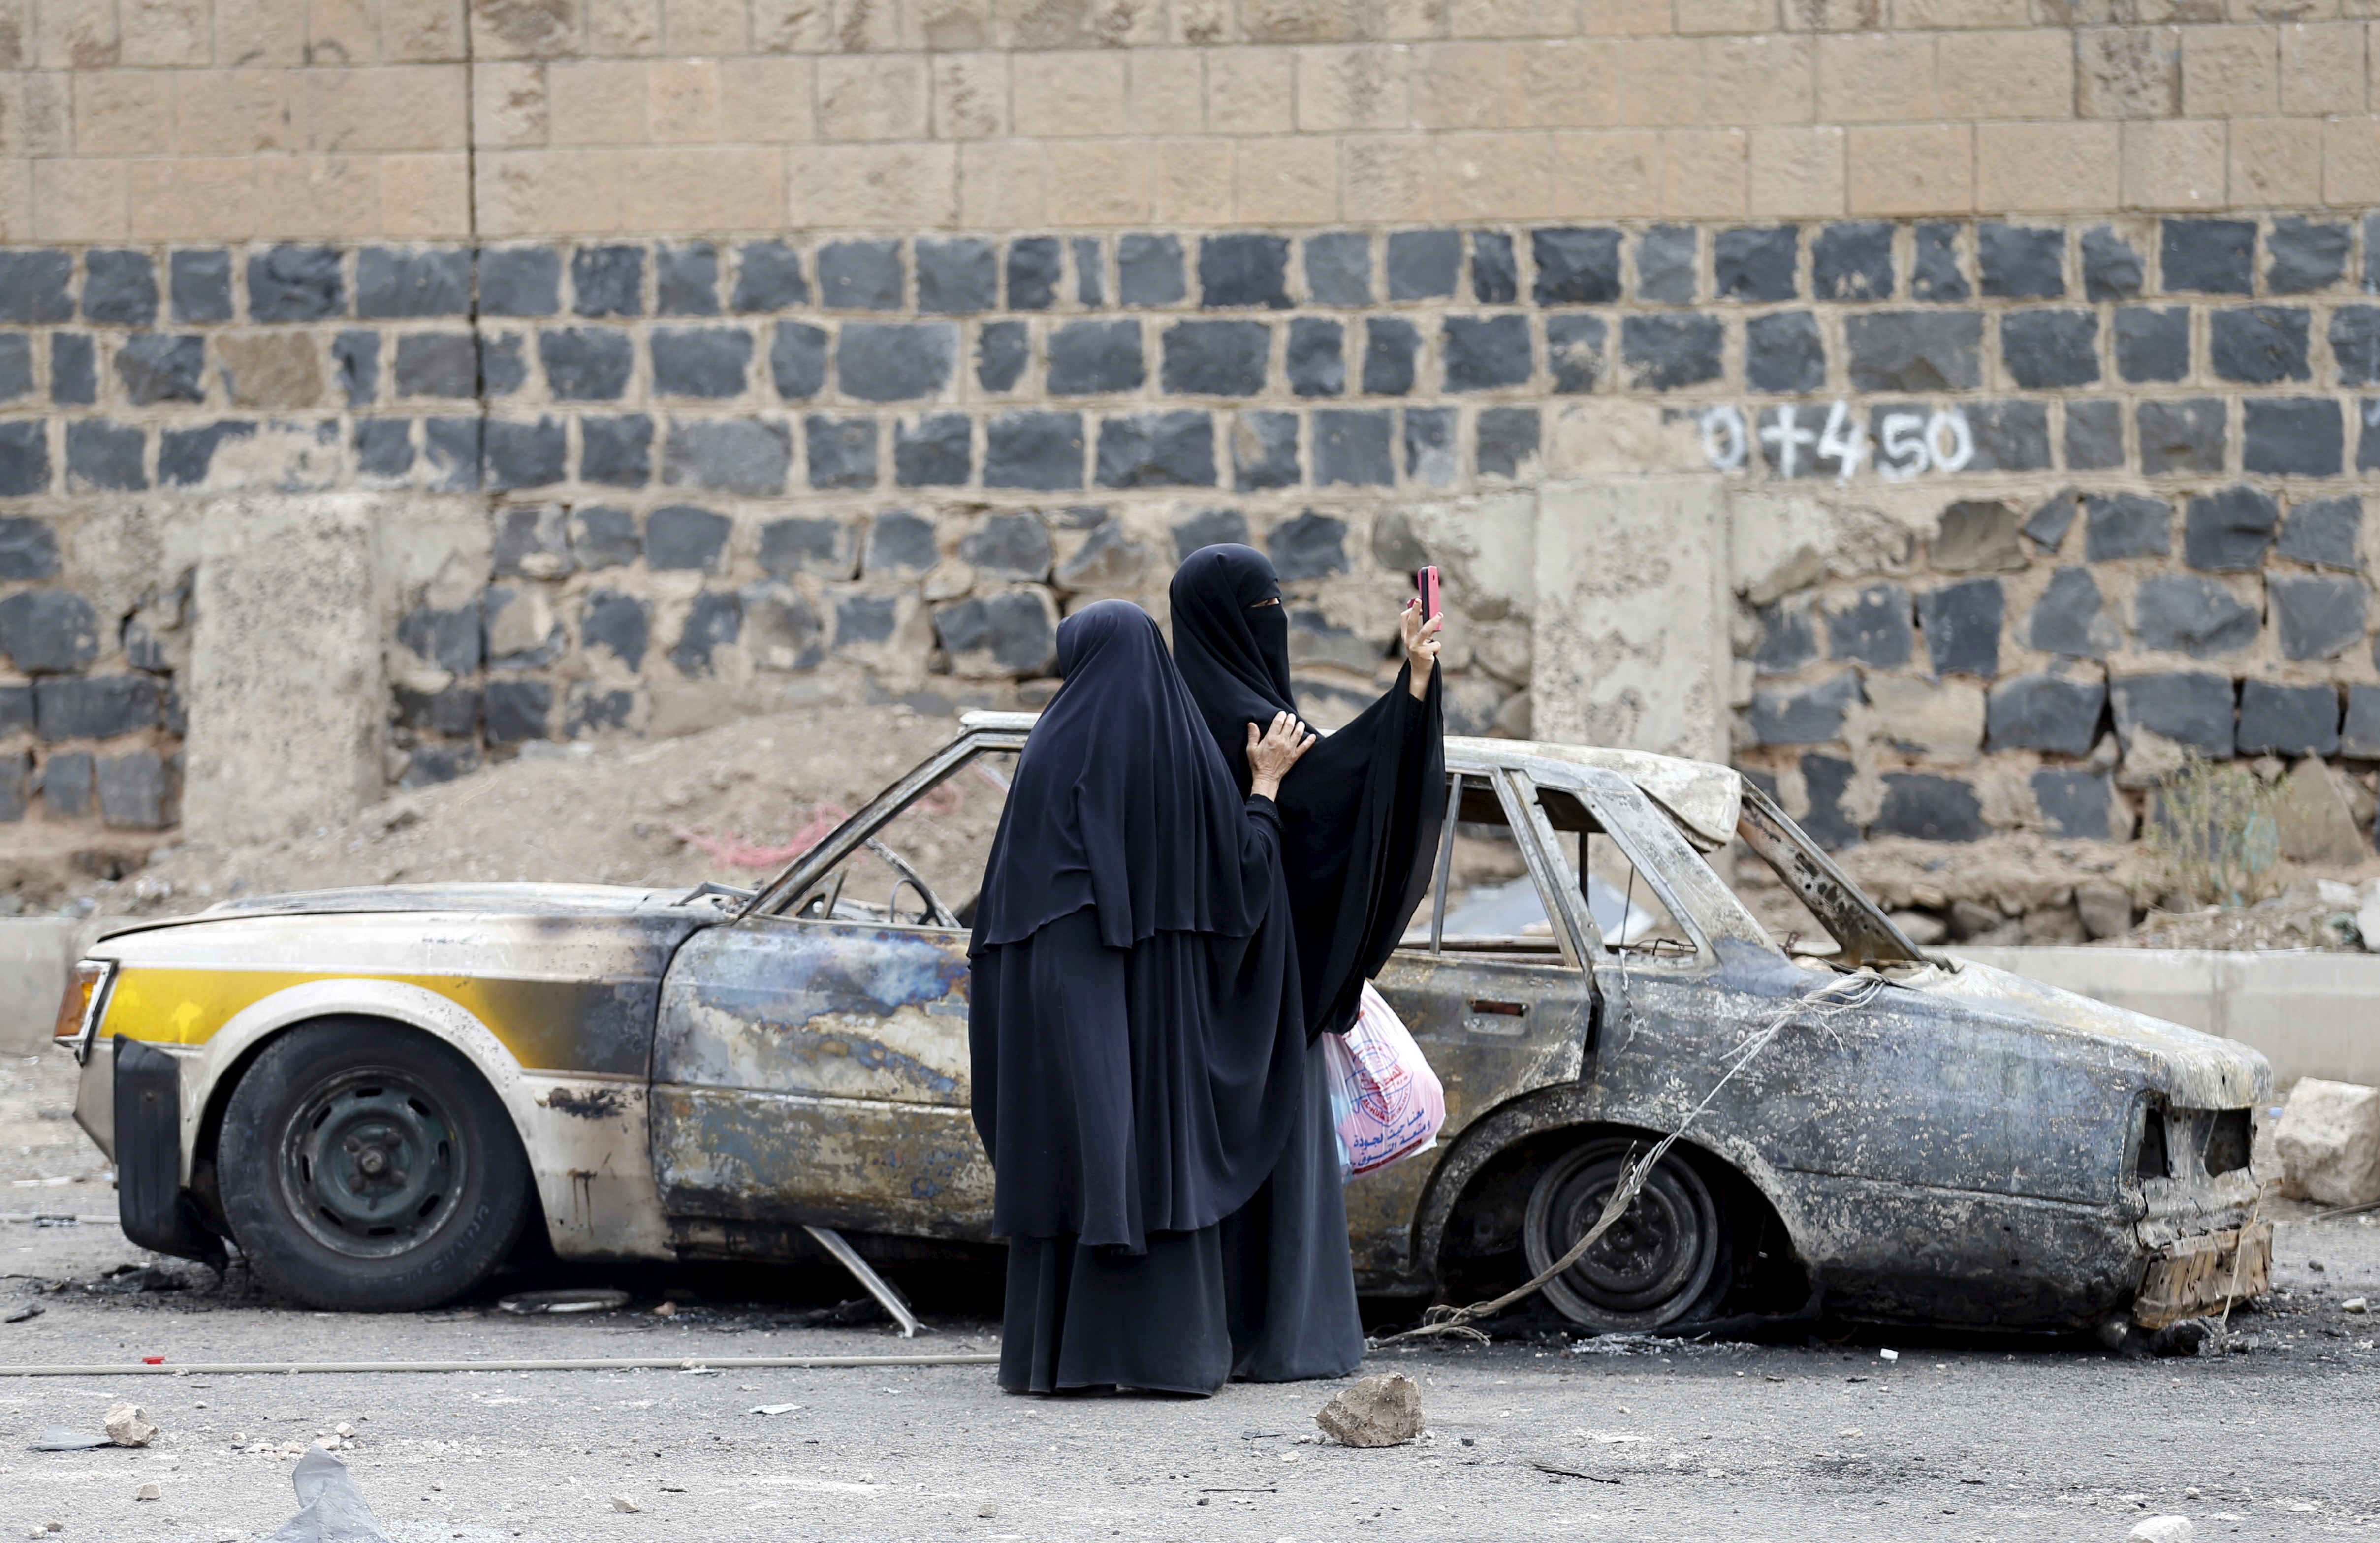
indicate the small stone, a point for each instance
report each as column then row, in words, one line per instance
column 2259, row 344
column 1316, row 361
column 1156, row 450
column 1264, row 451
column 1382, row 1411
column 1783, row 353
column 1755, row 262
column 685, row 537
column 296, row 283
column 622, row 1502
column 149, row 1492
column 1096, row 358
column 48, row 631
column 986, row 1511
column 1666, row 353
column 2325, row 532
column 1035, row 451
column 2305, row 256
column 1431, row 454
column 2047, row 349
column 519, row 281
column 1352, row 449
column 2275, row 719
column 2069, row 618
column 1873, row 629
column 1215, row 358
column 1921, row 927
column 1149, row 271
column 1109, row 560
column 392, row 282
column 686, row 280
column 616, row 452
column 956, row 277
column 1339, row 268
column 1309, row 546
column 2076, row 803
column 2111, row 270
column 2152, row 344
column 1495, row 277
column 2192, row 708
column 1579, row 267
column 1914, row 350
column 2044, row 713
column 2213, row 256
column 1851, row 260
column 533, row 542
column 1789, row 640
column 2316, row 813
column 1033, row 267
column 1422, row 263
column 587, row 364
column 2291, row 437
column 2317, row 615
column 1391, row 347
column 1961, row 624
column 1827, row 779
column 932, row 452
column 608, row 281
column 715, row 621
column 1980, row 536
column 2184, row 614
column 700, row 361
column 2020, row 263
column 2094, row 435
column 1929, row 807
column 2126, row 524
column 1577, row 349
column 1010, row 631
column 1016, row 547
column 2183, row 436
column 161, row 367
column 860, row 276
column 1002, row 352
column 2355, row 344
column 2106, row 908
column 885, row 362
column 1485, row 353
column 2230, row 531
column 1935, row 273
column 728, row 454
column 2329, row 1143
column 127, row 1426
column 119, row 287
column 1243, row 271
column 2010, row 436
column 1506, row 442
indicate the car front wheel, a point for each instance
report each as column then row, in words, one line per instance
column 368, row 1166
column 1666, row 1257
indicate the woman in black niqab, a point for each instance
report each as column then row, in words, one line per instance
column 1134, row 1020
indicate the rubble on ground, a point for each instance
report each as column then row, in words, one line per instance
column 1382, row 1411
column 2329, row 1143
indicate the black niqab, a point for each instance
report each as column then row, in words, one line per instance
column 1360, row 813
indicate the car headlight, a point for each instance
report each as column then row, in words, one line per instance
column 84, row 1005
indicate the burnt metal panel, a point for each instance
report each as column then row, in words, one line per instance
column 149, row 1199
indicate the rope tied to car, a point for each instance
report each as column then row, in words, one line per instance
column 1841, row 995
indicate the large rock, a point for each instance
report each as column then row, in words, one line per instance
column 2329, row 1144
column 2317, row 818
column 1375, row 1412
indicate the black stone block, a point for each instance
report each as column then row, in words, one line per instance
column 1422, row 264
column 1665, row 353
column 73, row 370
column 2304, row 256
column 728, row 454
column 2009, row 436
column 1090, row 271
column 48, row 631
column 587, row 364
column 2182, row 436
column 1243, row 271
column 608, row 281
column 455, row 711
column 2360, row 735
column 933, row 451
column 1392, row 347
column 2044, row 713
column 2317, row 615
column 1507, row 441
column 2277, row 720
column 525, row 454
column 1756, row 263
column 590, row 708
column 1014, row 629
column 34, row 286
column 1933, row 272
column 1149, row 271
column 1789, row 640
column 504, row 363
column 603, row 536
column 450, row 449
column 1852, row 261
column 429, row 765
column 893, row 362
column 1783, row 715
column 296, row 283
column 1088, row 358
column 616, row 452
column 198, row 283
column 2069, row 618
column 2047, row 349
column 1575, row 267
column 1667, row 260
column 519, row 710
column 956, row 277
column 1432, row 456
column 900, row 544
column 2111, row 270
column 391, row 283
column 2228, row 531
column 1339, row 268
column 65, row 783
column 1827, row 779
column 2075, row 804
column 686, row 280
column 1264, row 451
column 119, row 288
column 1009, row 548
column 812, row 545
column 1215, row 358
column 701, row 362
column 2019, row 263
column 1208, row 528
column 185, row 456
column 860, row 276
column 2293, row 436
column 2095, row 434
column 1914, row 350
column 1003, row 350
column 437, row 364
column 685, row 537
column 1784, row 353
column 2180, row 613
column 769, row 277
column 1309, row 546
column 1576, row 352
column 29, row 548
column 798, row 360
column 1037, row 450
column 1929, row 807
column 95, row 707
column 2355, row 344
column 384, row 448
column 1034, row 266
column 1352, row 449
column 2209, row 256
column 1962, row 623
column 449, row 637
column 1873, row 629
column 105, row 457
column 161, row 367
column 16, row 717
column 1316, row 360
column 2259, row 344
column 1495, row 273
column 16, row 366
column 842, row 451
column 2325, row 532
column 520, row 281
column 1156, row 450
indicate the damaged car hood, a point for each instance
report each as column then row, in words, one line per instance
column 2201, row 1071
column 509, row 899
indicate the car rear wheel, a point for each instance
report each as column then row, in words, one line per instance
column 368, row 1166
column 1664, row 1258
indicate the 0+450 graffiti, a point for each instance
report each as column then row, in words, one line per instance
column 1906, row 444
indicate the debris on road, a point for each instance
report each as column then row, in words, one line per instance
column 1563, row 1468
column 128, row 1426
column 29, row 1310
column 2329, row 1143
column 332, row 1509
column 2355, row 1304
column 58, row 1438
column 1375, row 1412
column 774, row 1408
column 2163, row 1529
column 149, row 1492
column 566, row 1299
column 667, row 1309
column 622, row 1502
column 986, row 1511
column 130, row 1280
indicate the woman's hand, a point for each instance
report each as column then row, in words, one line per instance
column 1270, row 757
column 1421, row 645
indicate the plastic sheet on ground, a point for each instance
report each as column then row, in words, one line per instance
column 333, row 1508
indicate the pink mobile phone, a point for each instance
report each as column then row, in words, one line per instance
column 1427, row 582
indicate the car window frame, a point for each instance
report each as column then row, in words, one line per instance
column 1539, row 857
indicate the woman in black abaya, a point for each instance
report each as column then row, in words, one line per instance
column 1135, row 1023
column 1360, row 821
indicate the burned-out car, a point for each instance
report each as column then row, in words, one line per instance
column 371, row 1091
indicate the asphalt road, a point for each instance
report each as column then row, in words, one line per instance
column 1966, row 1439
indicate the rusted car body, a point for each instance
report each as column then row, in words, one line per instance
column 705, row 1075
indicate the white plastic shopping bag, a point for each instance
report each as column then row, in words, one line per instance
column 1385, row 1101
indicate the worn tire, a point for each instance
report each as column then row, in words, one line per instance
column 369, row 1167
column 1667, row 1260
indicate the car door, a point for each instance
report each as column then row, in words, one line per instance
column 810, row 1060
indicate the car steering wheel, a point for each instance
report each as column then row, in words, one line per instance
column 933, row 913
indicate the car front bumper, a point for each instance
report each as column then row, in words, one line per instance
column 2193, row 1277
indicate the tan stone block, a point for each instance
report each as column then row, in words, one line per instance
column 1511, row 18
column 382, row 108
column 1344, row 89
column 970, row 96
column 1287, row 182
column 1201, row 23
column 16, row 200
column 1933, row 15
column 896, row 187
column 1723, row 17
column 684, row 105
column 1763, row 79
column 123, row 112
column 1298, row 21
column 1833, row 15
column 867, row 96
column 1798, row 172
column 1461, row 85
column 1704, row 173
column 2128, row 72
column 167, row 32
column 2350, row 160
column 710, row 187
column 229, row 111
column 1066, row 95
column 1571, row 84
column 1627, row 19
column 1193, row 180
column 549, row 192
column 341, row 32
column 1607, row 176
column 1097, row 182
column 526, row 29
column 1912, row 170
column 16, row 37
column 251, row 32
column 2028, row 168
column 78, row 34
column 422, row 32
column 1662, row 81
column 81, row 201
column 1410, row 20
column 596, row 101
column 195, row 198
column 1887, row 77
column 625, row 29
column 2006, row 75
column 867, row 27
column 1001, row 183
column 317, row 197
column 950, row 25
column 766, row 100
column 1168, row 91
column 1249, row 91
column 276, row 368
column 2228, row 70
column 2177, row 164
column 1386, row 179
column 2322, row 68
column 2275, row 161
column 793, row 26
column 508, row 104
column 1492, row 177
column 425, row 196
column 705, row 26
column 36, row 113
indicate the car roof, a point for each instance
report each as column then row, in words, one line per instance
column 1704, row 796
